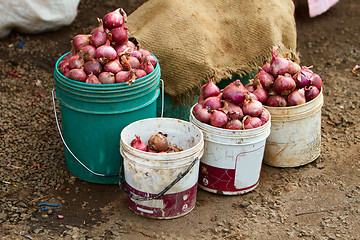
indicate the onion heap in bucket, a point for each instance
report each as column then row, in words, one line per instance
column 106, row 55
column 283, row 83
column 157, row 143
column 234, row 107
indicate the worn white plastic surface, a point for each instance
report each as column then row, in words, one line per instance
column 295, row 137
column 232, row 159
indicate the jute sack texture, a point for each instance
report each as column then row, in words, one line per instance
column 197, row 39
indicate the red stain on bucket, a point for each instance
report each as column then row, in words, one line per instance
column 167, row 206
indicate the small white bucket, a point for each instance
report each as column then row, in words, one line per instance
column 161, row 185
column 295, row 138
column 232, row 159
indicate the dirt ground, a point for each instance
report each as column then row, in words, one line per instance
column 320, row 200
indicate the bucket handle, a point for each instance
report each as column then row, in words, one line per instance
column 72, row 154
column 160, row 194
column 162, row 97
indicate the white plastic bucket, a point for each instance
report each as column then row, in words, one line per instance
column 148, row 174
column 295, row 138
column 232, row 159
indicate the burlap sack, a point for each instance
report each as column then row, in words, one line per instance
column 196, row 39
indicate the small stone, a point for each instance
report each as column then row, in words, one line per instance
column 245, row 204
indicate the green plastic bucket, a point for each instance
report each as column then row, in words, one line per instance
column 92, row 117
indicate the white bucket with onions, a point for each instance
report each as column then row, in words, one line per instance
column 232, row 159
column 161, row 185
column 295, row 138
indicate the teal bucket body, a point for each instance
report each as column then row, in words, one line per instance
column 92, row 117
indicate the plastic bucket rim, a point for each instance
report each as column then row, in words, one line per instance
column 185, row 152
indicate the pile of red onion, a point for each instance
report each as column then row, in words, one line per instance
column 106, row 55
column 283, row 83
column 233, row 107
column 157, row 143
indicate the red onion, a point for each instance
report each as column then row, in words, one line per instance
column 234, row 124
column 197, row 107
column 107, row 78
column 293, row 68
column 106, row 52
column 77, row 75
column 210, row 89
column 264, row 78
column 140, row 73
column 251, row 122
column 278, row 65
column 260, row 93
column 218, row 118
column 63, row 66
column 235, row 92
column 92, row 79
column 119, row 35
column 138, row 144
column 76, row 62
column 276, row 101
column 284, row 85
column 144, row 53
column 316, row 81
column 203, row 114
column 136, row 53
column 250, row 87
column 311, row 92
column 125, row 62
column 152, row 59
column 113, row 66
column 213, row 102
column 113, row 19
column 124, row 76
column 98, row 35
column 93, row 66
column 80, row 41
column 264, row 117
column 266, row 66
column 158, row 142
column 232, row 110
column 148, row 67
column 297, row 97
column 134, row 62
column 88, row 52
column 150, row 150
column 121, row 49
column 201, row 99
column 252, row 107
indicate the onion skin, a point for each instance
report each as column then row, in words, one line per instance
column 107, row 78
column 106, row 52
column 139, row 73
column 284, row 85
column 250, row 87
column 113, row 19
column 210, row 89
column 251, row 122
column 123, row 76
column 260, row 93
column 92, row 79
column 87, row 52
column 235, row 92
column 234, row 124
column 214, row 102
column 80, row 41
column 76, row 62
column 218, row 119
column 113, row 66
column 252, row 107
column 311, row 92
column 93, row 66
column 297, row 97
column 233, row 111
column 264, row 117
column 264, row 78
column 203, row 115
column 98, row 35
column 158, row 142
column 316, row 81
column 138, row 144
column 278, row 65
column 293, row 68
column 63, row 66
column 276, row 101
column 119, row 35
column 77, row 75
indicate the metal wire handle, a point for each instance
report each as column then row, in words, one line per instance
column 160, row 194
column 72, row 154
